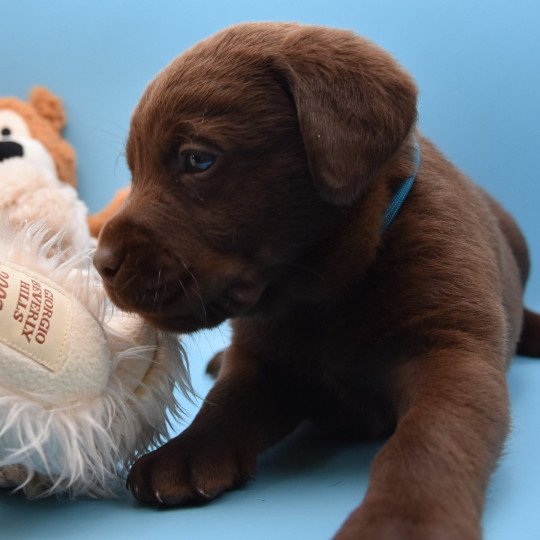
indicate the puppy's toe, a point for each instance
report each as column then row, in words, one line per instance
column 159, row 479
column 209, row 479
column 179, row 474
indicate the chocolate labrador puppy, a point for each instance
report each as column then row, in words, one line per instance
column 271, row 165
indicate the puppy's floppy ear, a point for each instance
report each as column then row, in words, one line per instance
column 355, row 106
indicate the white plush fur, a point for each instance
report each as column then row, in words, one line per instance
column 83, row 448
column 31, row 193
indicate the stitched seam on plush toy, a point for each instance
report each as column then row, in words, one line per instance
column 57, row 340
column 26, row 353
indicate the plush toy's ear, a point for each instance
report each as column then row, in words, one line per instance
column 97, row 221
column 355, row 106
column 49, row 107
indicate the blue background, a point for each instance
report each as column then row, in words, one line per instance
column 477, row 64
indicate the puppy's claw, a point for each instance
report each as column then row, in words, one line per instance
column 135, row 490
column 202, row 495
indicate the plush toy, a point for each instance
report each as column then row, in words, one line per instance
column 97, row 220
column 31, row 132
column 84, row 388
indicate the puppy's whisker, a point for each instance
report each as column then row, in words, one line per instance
column 189, row 299
column 202, row 303
column 157, row 289
column 197, row 289
column 203, row 115
column 127, row 283
column 185, row 292
column 121, row 155
column 117, row 137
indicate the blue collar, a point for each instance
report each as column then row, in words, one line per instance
column 401, row 194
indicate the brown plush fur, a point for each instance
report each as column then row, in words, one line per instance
column 97, row 221
column 45, row 117
column 406, row 332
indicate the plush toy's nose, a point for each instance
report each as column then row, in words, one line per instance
column 107, row 262
column 9, row 149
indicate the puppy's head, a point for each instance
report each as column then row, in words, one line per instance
column 245, row 152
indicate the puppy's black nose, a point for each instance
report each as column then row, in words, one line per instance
column 9, row 149
column 108, row 262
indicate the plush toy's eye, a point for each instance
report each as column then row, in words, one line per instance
column 12, row 125
column 195, row 161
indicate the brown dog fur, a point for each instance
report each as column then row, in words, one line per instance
column 406, row 332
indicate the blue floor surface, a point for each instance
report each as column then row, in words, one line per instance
column 304, row 489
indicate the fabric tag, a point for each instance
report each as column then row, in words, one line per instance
column 35, row 316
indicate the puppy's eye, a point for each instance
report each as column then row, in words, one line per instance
column 6, row 132
column 195, row 161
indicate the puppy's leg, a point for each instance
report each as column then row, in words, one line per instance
column 243, row 414
column 428, row 481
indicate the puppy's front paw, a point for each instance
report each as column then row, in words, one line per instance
column 183, row 471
